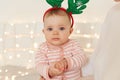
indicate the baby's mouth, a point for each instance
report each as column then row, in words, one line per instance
column 55, row 39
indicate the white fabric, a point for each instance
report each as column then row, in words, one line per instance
column 107, row 52
column 87, row 70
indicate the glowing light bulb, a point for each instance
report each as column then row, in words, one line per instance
column 17, row 36
column 12, row 24
column 87, row 36
column 6, row 33
column 30, row 61
column 92, row 27
column 88, row 45
column 1, row 39
column 35, row 45
column 6, row 78
column 31, row 51
column 6, row 70
column 19, row 72
column 0, row 70
column 17, row 45
column 27, row 26
column 26, row 73
column 18, row 55
column 78, row 31
column 10, row 57
column 96, row 35
column 5, row 51
column 31, row 32
column 13, row 77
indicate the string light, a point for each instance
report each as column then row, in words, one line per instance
column 0, row 56
column 88, row 50
column 35, row 45
column 0, row 70
column 12, row 24
column 88, row 45
column 18, row 55
column 1, row 39
column 19, row 72
column 17, row 45
column 26, row 73
column 13, row 77
column 78, row 31
column 27, row 26
column 30, row 61
column 10, row 57
column 92, row 27
column 31, row 32
column 17, row 36
column 86, row 35
column 31, row 51
column 96, row 35
column 5, row 51
column 6, row 70
column 6, row 78
column 6, row 33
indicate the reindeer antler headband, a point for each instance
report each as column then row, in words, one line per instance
column 74, row 7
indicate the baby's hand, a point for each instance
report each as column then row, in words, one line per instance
column 41, row 78
column 61, row 65
column 54, row 72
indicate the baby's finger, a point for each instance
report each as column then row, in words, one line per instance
column 65, row 64
column 57, row 72
column 60, row 66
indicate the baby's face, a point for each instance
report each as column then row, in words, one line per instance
column 57, row 29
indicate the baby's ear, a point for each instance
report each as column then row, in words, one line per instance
column 71, row 30
column 43, row 30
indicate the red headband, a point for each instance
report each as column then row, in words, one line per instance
column 55, row 8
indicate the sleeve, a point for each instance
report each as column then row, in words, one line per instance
column 41, row 63
column 79, row 59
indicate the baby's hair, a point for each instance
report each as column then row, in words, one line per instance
column 58, row 11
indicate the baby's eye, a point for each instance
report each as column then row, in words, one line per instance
column 49, row 29
column 62, row 28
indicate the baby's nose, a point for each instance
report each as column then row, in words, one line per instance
column 55, row 32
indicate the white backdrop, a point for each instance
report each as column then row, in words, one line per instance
column 32, row 10
column 20, row 33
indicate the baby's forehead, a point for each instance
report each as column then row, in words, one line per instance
column 57, row 17
column 60, row 13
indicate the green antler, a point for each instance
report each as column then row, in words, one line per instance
column 77, row 6
column 74, row 6
column 55, row 3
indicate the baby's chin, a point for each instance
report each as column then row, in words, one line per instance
column 57, row 43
